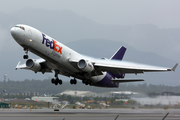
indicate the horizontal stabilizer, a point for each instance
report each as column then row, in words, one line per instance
column 126, row 80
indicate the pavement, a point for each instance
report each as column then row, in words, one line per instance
column 89, row 114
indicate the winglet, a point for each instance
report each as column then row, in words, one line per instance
column 174, row 68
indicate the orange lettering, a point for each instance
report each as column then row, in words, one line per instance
column 57, row 48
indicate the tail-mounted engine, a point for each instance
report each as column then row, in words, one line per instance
column 33, row 65
column 85, row 66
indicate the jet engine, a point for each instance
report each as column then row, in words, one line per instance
column 85, row 66
column 119, row 75
column 33, row 65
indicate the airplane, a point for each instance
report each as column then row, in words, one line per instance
column 57, row 57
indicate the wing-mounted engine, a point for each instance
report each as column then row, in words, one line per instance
column 85, row 66
column 33, row 65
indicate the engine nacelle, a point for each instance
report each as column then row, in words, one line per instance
column 33, row 65
column 85, row 66
column 119, row 75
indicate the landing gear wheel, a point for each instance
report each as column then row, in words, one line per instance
column 73, row 81
column 26, row 51
column 25, row 56
column 86, row 83
column 52, row 80
column 56, row 83
column 90, row 83
column 60, row 82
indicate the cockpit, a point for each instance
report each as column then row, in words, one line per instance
column 20, row 27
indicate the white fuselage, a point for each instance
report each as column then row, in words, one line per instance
column 54, row 52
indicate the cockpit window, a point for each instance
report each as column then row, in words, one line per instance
column 20, row 27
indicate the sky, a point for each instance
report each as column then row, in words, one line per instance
column 162, row 13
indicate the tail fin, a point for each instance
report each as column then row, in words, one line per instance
column 119, row 54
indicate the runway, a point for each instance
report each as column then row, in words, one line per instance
column 89, row 114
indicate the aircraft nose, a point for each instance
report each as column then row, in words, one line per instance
column 13, row 31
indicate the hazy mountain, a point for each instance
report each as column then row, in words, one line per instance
column 145, row 43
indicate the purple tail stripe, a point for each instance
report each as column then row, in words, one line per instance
column 106, row 81
column 119, row 54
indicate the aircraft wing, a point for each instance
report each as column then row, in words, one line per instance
column 23, row 66
column 41, row 61
column 128, row 67
column 20, row 66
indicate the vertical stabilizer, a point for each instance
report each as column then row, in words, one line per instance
column 119, row 54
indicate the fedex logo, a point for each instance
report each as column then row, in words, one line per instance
column 52, row 44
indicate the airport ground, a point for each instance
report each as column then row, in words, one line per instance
column 38, row 105
column 89, row 114
column 43, row 111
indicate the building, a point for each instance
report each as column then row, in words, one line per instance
column 78, row 93
column 4, row 105
column 45, row 99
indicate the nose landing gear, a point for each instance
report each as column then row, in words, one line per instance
column 26, row 56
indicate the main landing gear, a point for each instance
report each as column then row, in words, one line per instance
column 87, row 82
column 26, row 56
column 57, row 80
column 73, row 81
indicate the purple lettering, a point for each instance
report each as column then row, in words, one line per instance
column 43, row 38
column 52, row 44
column 47, row 42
